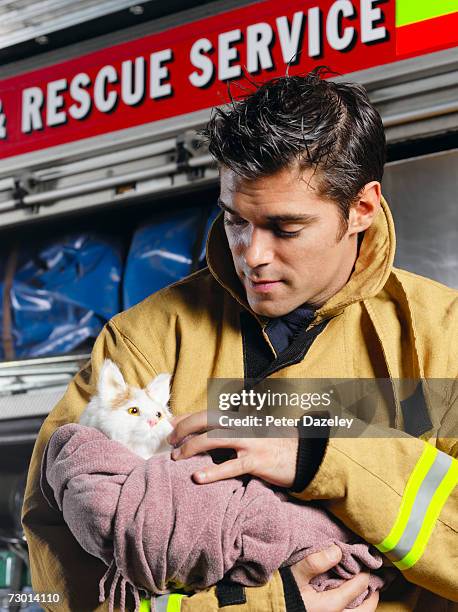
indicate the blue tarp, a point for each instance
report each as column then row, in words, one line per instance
column 63, row 293
column 162, row 252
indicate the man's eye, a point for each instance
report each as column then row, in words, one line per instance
column 234, row 221
column 285, row 234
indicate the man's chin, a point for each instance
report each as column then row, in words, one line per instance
column 269, row 308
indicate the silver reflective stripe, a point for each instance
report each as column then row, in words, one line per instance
column 162, row 603
column 423, row 498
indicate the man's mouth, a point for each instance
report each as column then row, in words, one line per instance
column 262, row 286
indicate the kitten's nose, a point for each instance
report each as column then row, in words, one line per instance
column 152, row 422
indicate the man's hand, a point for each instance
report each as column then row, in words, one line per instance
column 271, row 459
column 334, row 600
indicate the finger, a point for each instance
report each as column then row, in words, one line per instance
column 174, row 422
column 204, row 443
column 343, row 595
column 316, row 564
column 190, row 423
column 176, row 419
column 228, row 469
column 369, row 605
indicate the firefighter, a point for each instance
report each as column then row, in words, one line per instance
column 300, row 284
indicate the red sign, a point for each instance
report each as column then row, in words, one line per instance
column 187, row 68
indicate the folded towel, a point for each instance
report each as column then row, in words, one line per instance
column 156, row 528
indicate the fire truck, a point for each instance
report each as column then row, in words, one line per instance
column 107, row 190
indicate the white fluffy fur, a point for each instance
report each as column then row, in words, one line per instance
column 108, row 411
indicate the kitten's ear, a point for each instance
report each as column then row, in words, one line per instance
column 111, row 381
column 159, row 388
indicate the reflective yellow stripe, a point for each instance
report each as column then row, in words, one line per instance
column 145, row 605
column 408, row 499
column 438, row 500
column 168, row 603
column 174, row 603
column 432, row 480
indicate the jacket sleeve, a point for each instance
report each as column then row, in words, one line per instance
column 58, row 563
column 399, row 493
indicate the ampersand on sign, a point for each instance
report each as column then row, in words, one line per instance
column 2, row 122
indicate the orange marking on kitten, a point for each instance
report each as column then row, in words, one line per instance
column 121, row 399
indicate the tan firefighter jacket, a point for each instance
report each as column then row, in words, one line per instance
column 397, row 491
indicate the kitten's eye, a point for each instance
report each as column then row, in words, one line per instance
column 134, row 411
column 158, row 414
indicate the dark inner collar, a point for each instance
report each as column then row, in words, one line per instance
column 282, row 330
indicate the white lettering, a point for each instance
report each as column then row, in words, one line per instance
column 201, row 61
column 338, row 41
column 236, row 399
column 261, row 400
column 224, row 401
column 290, row 37
column 54, row 102
column 335, row 421
column 158, row 73
column 80, row 95
column 259, row 37
column 133, row 87
column 281, row 421
column 247, row 421
column 105, row 101
column 32, row 101
column 227, row 54
column 369, row 15
column 315, row 42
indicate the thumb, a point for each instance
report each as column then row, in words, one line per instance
column 174, row 422
column 316, row 564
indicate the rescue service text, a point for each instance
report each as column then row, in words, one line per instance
column 224, row 56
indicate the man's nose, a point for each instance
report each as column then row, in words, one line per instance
column 258, row 250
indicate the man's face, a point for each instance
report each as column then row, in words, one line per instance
column 286, row 240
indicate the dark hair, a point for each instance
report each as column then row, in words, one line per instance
column 318, row 123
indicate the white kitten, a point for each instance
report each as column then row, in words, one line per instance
column 139, row 418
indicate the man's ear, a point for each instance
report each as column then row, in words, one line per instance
column 111, row 382
column 364, row 211
column 159, row 389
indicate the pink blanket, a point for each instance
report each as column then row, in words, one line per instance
column 155, row 528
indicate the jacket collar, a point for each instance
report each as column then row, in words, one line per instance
column 372, row 268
